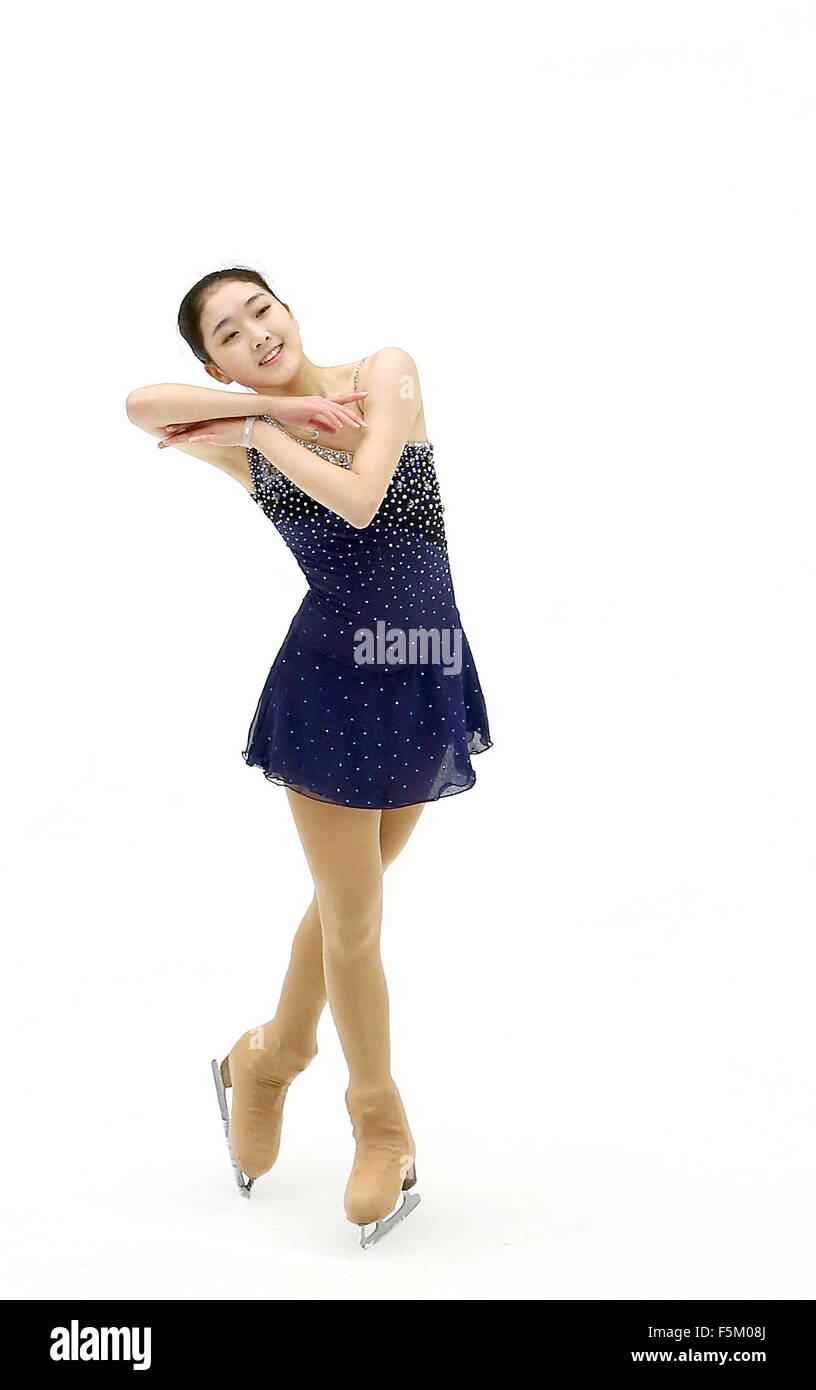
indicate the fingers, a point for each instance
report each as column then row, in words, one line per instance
column 334, row 420
column 173, row 431
column 187, row 433
column 347, row 417
column 321, row 420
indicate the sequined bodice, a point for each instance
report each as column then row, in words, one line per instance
column 412, row 500
column 394, row 570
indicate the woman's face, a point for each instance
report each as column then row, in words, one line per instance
column 241, row 323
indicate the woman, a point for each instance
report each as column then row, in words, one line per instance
column 372, row 706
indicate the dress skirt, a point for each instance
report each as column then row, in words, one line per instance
column 357, row 736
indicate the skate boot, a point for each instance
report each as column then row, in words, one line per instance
column 383, row 1162
column 260, row 1068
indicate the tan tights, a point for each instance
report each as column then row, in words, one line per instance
column 336, row 950
column 336, row 956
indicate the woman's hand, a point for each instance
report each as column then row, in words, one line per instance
column 321, row 412
column 228, row 430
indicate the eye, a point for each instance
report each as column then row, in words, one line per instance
column 235, row 330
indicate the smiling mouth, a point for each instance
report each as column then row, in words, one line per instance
column 271, row 356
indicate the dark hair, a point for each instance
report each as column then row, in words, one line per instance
column 189, row 314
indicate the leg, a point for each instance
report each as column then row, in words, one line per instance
column 303, row 995
column 266, row 1059
column 342, row 846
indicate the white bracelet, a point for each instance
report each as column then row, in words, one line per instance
column 247, row 434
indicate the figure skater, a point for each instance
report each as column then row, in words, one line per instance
column 372, row 706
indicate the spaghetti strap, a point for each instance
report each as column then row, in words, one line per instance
column 356, row 370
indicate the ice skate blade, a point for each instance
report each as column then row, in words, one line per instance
column 381, row 1228
column 244, row 1184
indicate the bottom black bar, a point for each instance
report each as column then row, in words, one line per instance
column 162, row 1338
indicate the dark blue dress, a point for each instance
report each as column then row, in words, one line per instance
column 372, row 700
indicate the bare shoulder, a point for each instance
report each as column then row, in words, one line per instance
column 391, row 374
column 388, row 363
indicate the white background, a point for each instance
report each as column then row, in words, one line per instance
column 592, row 226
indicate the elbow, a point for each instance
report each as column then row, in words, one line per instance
column 364, row 514
column 145, row 406
column 132, row 404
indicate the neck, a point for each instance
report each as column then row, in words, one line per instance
column 308, row 380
